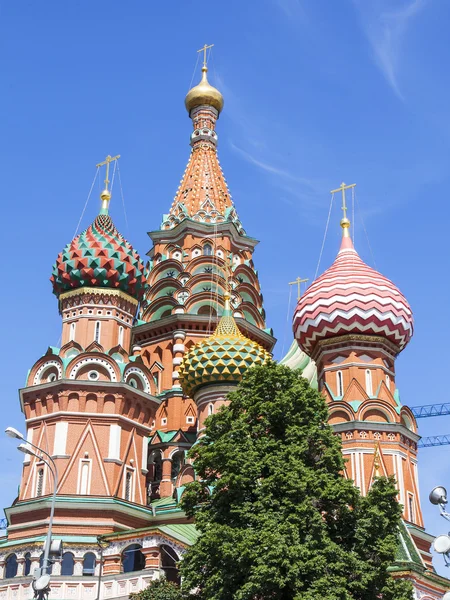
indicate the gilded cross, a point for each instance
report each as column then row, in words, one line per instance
column 204, row 49
column 298, row 281
column 342, row 189
column 109, row 159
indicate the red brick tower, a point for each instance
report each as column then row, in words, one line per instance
column 199, row 237
column 353, row 322
column 90, row 403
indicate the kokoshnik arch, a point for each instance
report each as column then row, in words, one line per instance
column 149, row 351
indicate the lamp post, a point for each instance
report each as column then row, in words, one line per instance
column 25, row 448
column 441, row 544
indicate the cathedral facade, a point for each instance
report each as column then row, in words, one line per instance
column 148, row 351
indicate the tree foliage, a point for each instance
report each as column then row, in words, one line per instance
column 158, row 589
column 276, row 517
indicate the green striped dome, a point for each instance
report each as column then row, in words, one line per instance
column 223, row 357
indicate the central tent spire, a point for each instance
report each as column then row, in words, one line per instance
column 203, row 194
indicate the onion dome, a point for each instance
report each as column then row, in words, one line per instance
column 223, row 357
column 352, row 298
column 100, row 257
column 204, row 94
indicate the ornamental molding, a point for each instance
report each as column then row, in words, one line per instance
column 46, row 365
column 107, row 292
column 93, row 361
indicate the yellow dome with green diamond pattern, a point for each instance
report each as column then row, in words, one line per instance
column 223, row 357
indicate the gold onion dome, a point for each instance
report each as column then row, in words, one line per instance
column 223, row 357
column 204, row 94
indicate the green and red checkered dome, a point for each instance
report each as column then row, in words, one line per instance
column 100, row 257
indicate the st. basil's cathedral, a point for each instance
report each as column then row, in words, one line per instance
column 149, row 351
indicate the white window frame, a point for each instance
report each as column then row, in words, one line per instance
column 121, row 335
column 339, row 383
column 115, row 434
column 369, row 383
column 129, row 471
column 84, row 462
column 210, row 409
column 411, row 508
column 97, row 331
column 39, row 466
column 72, row 331
column 60, row 441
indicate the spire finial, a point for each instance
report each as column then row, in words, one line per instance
column 106, row 194
column 204, row 49
column 298, row 282
column 345, row 223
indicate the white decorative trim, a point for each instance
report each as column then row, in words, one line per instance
column 46, row 365
column 141, row 375
column 94, row 361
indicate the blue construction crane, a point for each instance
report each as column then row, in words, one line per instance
column 434, row 440
column 430, row 410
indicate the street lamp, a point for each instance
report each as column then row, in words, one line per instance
column 26, row 449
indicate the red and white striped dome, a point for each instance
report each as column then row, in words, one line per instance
column 352, row 298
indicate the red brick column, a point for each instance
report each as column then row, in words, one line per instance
column 165, row 488
column 112, row 564
column 152, row 557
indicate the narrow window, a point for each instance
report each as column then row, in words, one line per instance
column 156, row 381
column 67, row 564
column 40, row 482
column 73, row 327
column 128, row 485
column 388, row 381
column 97, row 332
column 120, row 335
column 210, row 409
column 84, row 478
column 27, row 565
column 339, row 383
column 369, row 387
column 89, row 564
column 207, row 250
column 11, row 566
column 411, row 508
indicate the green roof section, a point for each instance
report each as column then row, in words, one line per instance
column 184, row 532
column 407, row 551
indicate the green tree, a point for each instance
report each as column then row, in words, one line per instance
column 159, row 589
column 277, row 519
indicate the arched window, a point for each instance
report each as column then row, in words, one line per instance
column 169, row 560
column 369, row 385
column 27, row 564
column 97, row 332
column 132, row 559
column 11, row 566
column 207, row 250
column 177, row 463
column 67, row 564
column 49, row 564
column 388, row 381
column 121, row 330
column 40, row 482
column 89, row 564
column 73, row 327
column 155, row 465
column 339, row 383
column 210, row 409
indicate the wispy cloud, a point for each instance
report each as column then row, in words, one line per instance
column 272, row 169
column 386, row 29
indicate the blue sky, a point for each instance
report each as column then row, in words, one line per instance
column 315, row 93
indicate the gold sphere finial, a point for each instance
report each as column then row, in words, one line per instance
column 105, row 195
column 345, row 224
column 204, row 93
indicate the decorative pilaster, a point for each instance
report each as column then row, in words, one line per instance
column 178, row 351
